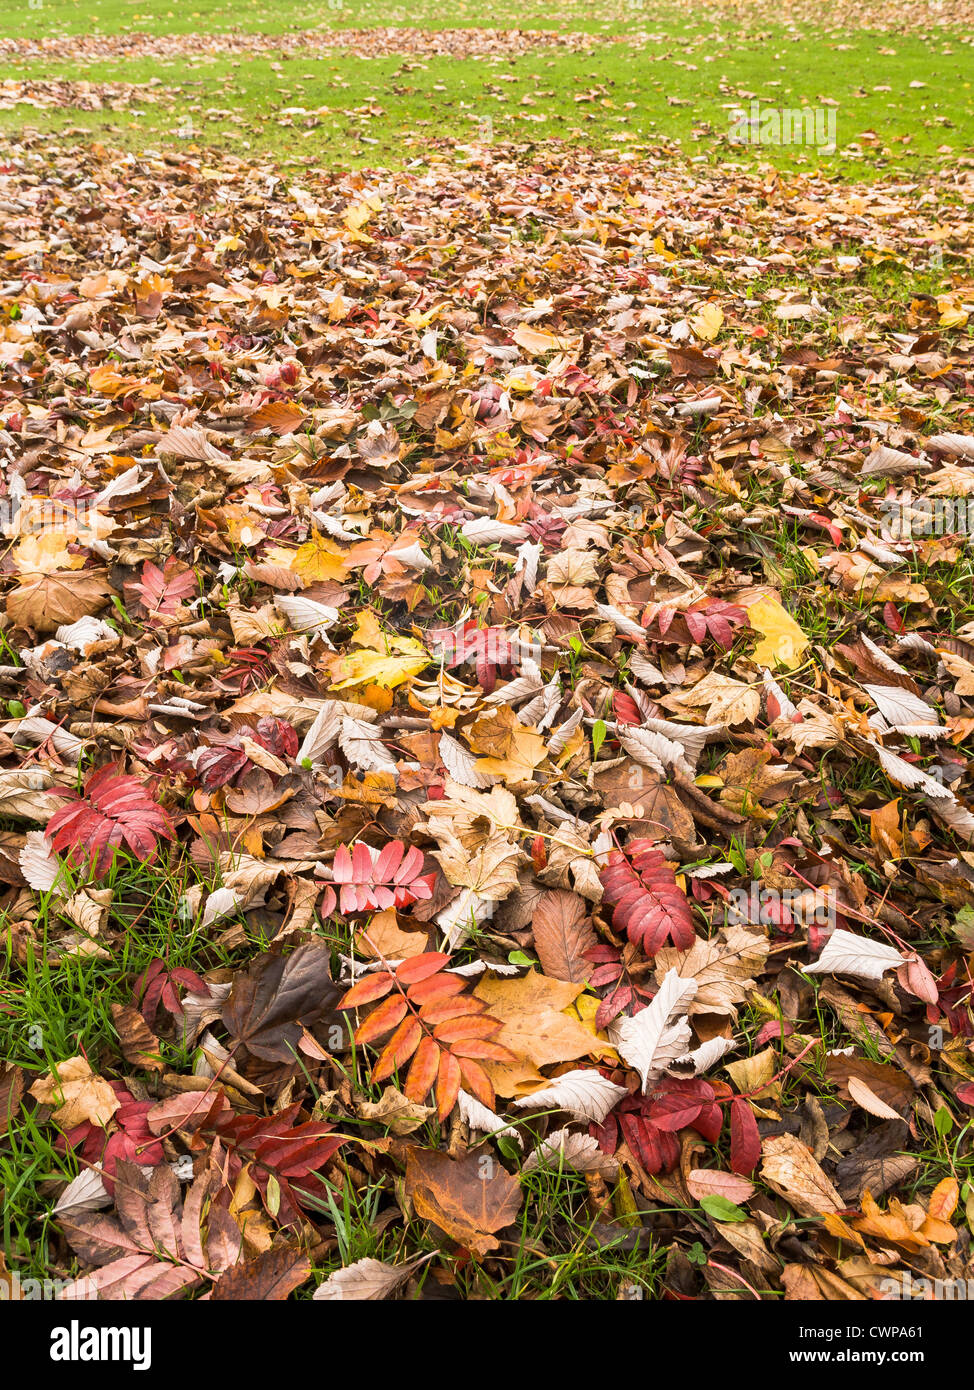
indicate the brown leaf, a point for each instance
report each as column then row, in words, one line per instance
column 562, row 932
column 139, row 1044
column 534, row 1026
column 45, row 602
column 79, row 1096
column 469, row 1198
column 277, row 997
column 270, row 1278
column 788, row 1167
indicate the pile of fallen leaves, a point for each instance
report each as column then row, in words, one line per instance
column 396, row 561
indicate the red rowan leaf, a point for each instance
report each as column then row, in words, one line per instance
column 646, row 901
column 113, row 811
column 374, row 881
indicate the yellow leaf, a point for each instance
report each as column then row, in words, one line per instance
column 384, row 658
column 375, row 669
column 784, row 642
column 44, row 553
column 318, row 558
column 108, row 381
column 584, row 1009
column 943, row 1200
column 526, row 752
column 708, row 322
column 357, row 214
column 884, row 829
column 952, row 313
column 536, row 342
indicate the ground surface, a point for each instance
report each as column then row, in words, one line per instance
column 540, row 562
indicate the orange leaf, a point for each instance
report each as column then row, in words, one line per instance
column 436, row 988
column 477, row 1082
column 420, row 967
column 457, row 1029
column 382, row 1020
column 368, row 990
column 447, row 1084
column 399, row 1048
column 493, row 1052
column 422, row 1071
column 943, row 1199
column 451, row 1008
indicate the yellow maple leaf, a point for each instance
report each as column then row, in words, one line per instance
column 707, row 322
column 527, row 750
column 318, row 558
column 783, row 640
column 383, row 658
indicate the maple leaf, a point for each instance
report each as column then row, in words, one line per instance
column 381, row 658
column 277, row 997
column 647, row 903
column 429, row 1022
column 126, row 1136
column 112, row 811
column 492, row 649
column 707, row 617
column 463, row 1199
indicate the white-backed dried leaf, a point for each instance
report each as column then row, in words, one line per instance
column 366, row 1279
column 362, row 745
column 848, row 954
column 461, row 764
column 658, row 1035
column 484, row 1121
column 571, row 1149
column 584, row 1093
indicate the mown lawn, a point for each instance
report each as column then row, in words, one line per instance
column 901, row 102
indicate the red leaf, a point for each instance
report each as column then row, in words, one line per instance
column 370, row 883
column 646, row 901
column 114, row 810
column 745, row 1139
column 892, row 618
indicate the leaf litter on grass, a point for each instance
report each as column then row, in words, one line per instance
column 489, row 592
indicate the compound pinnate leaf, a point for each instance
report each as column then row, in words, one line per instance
column 114, row 811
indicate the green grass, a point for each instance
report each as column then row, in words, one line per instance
column 677, row 86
